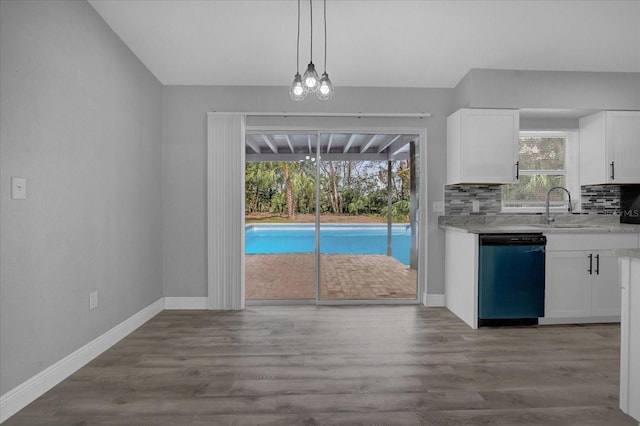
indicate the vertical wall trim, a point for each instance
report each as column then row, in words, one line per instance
column 225, row 210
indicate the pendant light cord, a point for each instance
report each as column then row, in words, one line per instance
column 325, row 36
column 311, row 17
column 298, row 42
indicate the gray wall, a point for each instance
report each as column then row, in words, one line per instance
column 184, row 162
column 80, row 118
column 551, row 90
column 184, row 139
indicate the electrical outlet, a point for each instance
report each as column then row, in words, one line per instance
column 93, row 300
column 475, row 206
column 438, row 206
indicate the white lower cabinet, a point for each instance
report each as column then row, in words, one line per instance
column 582, row 278
column 567, row 286
column 605, row 290
column 630, row 341
column 461, row 276
column 582, row 283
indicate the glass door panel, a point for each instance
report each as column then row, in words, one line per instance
column 365, row 240
column 280, row 232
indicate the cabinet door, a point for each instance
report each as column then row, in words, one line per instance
column 630, row 341
column 605, row 293
column 489, row 145
column 634, row 340
column 623, row 137
column 593, row 152
column 567, row 285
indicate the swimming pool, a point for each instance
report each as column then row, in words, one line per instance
column 334, row 238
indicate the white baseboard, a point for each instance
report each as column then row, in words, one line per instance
column 185, row 303
column 578, row 320
column 22, row 395
column 434, row 300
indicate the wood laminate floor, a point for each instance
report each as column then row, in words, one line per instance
column 307, row 365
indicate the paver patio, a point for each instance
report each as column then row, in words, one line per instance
column 343, row 276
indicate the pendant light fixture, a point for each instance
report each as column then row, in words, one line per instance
column 296, row 91
column 325, row 90
column 310, row 82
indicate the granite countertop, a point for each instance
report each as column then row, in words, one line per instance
column 504, row 224
column 631, row 252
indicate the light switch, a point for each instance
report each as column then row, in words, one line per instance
column 93, row 300
column 475, row 206
column 18, row 188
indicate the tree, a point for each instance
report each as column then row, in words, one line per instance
column 260, row 179
column 291, row 209
column 346, row 187
column 331, row 183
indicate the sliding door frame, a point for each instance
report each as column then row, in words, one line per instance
column 225, row 268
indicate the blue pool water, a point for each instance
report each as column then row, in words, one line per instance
column 342, row 239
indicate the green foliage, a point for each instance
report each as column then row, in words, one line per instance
column 541, row 153
column 346, row 187
column 399, row 211
column 279, row 202
column 539, row 158
column 377, row 200
column 260, row 185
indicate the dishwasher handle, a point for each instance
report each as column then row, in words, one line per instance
column 512, row 239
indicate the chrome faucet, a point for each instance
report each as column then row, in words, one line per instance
column 547, row 216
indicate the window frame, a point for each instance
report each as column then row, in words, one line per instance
column 570, row 172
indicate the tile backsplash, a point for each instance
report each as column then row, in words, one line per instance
column 601, row 199
column 458, row 199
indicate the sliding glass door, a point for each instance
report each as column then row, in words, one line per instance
column 331, row 217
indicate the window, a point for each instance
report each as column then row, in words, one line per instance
column 545, row 161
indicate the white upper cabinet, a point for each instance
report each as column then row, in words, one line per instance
column 482, row 146
column 610, row 148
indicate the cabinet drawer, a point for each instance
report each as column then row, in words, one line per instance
column 591, row 241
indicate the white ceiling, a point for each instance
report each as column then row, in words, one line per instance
column 373, row 43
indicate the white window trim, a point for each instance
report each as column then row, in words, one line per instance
column 571, row 171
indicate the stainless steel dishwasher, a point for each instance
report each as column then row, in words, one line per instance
column 511, row 279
